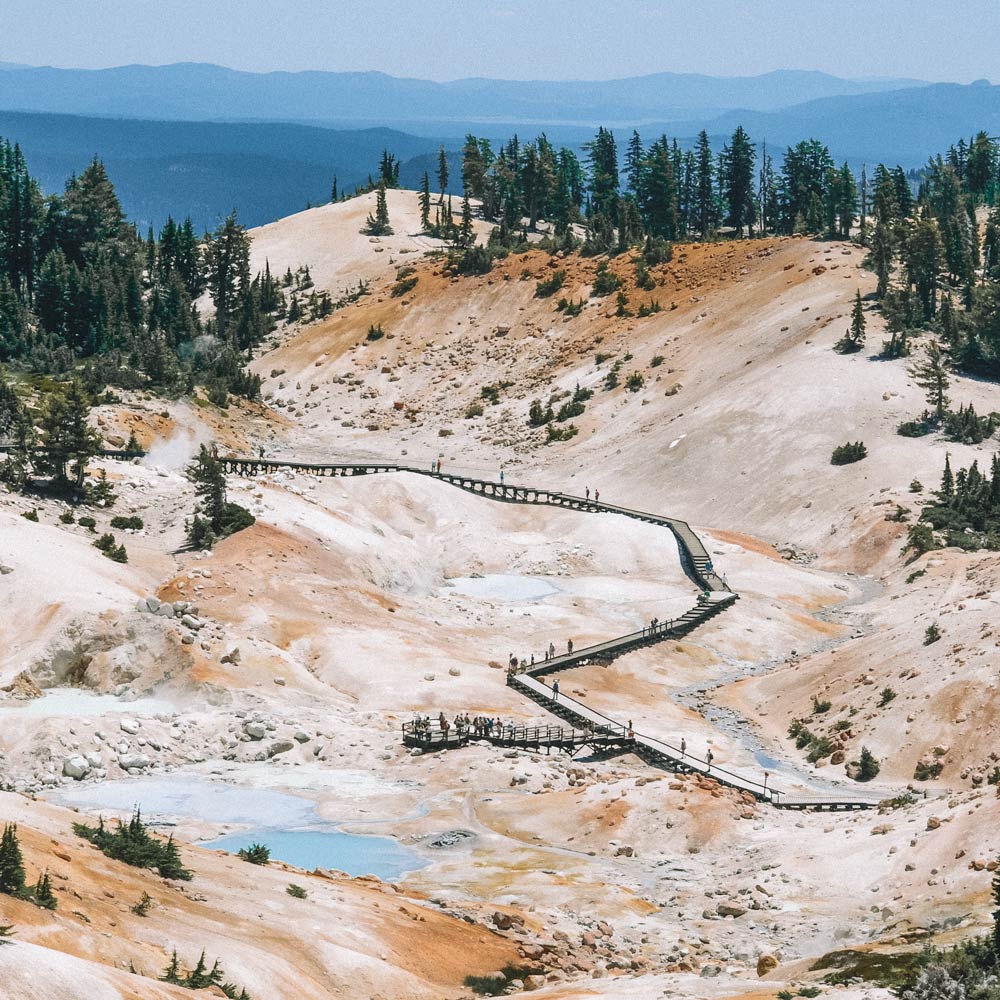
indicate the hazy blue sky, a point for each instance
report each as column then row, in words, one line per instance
column 552, row 39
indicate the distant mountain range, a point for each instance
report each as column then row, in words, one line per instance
column 199, row 91
column 200, row 140
column 206, row 169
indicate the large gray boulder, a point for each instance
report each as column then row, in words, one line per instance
column 133, row 761
column 76, row 767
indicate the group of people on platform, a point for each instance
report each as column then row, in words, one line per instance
column 462, row 725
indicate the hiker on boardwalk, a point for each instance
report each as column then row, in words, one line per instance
column 501, row 477
column 439, row 467
column 569, row 646
column 631, row 731
column 261, row 450
column 684, row 746
column 555, row 690
column 709, row 757
column 587, row 492
column 597, row 496
column 552, row 650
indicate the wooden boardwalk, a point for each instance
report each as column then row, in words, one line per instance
column 589, row 727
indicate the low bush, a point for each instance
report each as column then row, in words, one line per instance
column 133, row 523
column 548, row 287
column 847, row 454
column 255, row 854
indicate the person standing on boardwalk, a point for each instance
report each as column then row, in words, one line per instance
column 684, row 746
column 587, row 492
column 709, row 757
column 552, row 650
column 555, row 690
column 439, row 467
column 569, row 645
column 501, row 477
column 597, row 496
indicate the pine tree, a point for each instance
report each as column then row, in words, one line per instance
column 931, row 374
column 67, row 442
column 738, row 174
column 334, row 196
column 442, row 174
column 425, row 203
column 210, row 487
column 11, row 863
column 882, row 254
column 466, row 234
column 173, row 972
column 854, row 339
column 16, row 429
column 227, row 256
column 378, row 224
column 169, row 864
column 44, row 896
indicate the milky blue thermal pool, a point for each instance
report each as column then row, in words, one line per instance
column 299, row 836
column 310, row 849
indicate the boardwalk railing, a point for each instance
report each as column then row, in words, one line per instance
column 716, row 597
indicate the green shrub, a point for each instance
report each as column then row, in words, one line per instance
column 868, row 766
column 296, row 890
column 605, row 281
column 403, row 285
column 106, row 542
column 649, row 309
column 847, row 454
column 931, row 634
column 87, row 522
column 255, row 854
column 539, row 415
column 886, row 696
column 144, row 904
column 374, row 333
column 635, row 382
column 658, row 360
column 914, row 428
column 916, row 486
column 67, row 517
column 132, row 844
column 570, row 308
column 571, row 408
column 820, row 707
column 559, row 433
column 473, row 410
column 926, row 770
column 30, row 515
column 133, row 523
column 821, row 748
column 548, row 287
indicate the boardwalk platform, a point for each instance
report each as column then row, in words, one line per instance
column 588, row 727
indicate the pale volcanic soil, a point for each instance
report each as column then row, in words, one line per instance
column 353, row 603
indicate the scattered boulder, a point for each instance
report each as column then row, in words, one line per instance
column 255, row 730
column 279, row 746
column 766, row 964
column 730, row 910
column 133, row 761
column 130, row 726
column 76, row 767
